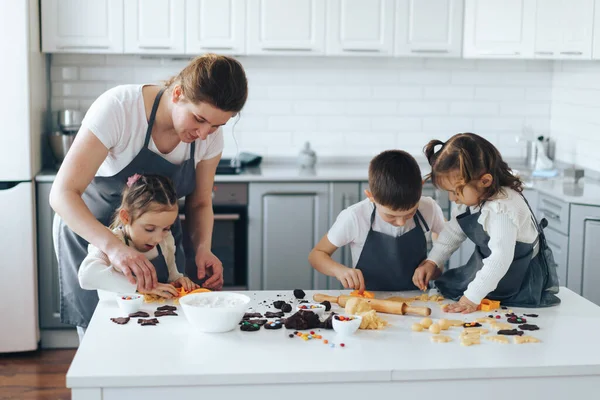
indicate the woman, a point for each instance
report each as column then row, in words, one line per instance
column 145, row 129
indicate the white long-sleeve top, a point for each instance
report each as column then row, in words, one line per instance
column 96, row 272
column 506, row 219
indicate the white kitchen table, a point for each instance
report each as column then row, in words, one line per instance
column 173, row 361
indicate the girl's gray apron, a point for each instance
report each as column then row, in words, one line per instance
column 103, row 197
column 531, row 279
column 389, row 262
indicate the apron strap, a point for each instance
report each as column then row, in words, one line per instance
column 537, row 226
column 419, row 217
column 373, row 216
column 159, row 250
column 153, row 116
column 193, row 150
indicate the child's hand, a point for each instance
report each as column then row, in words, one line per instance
column 424, row 273
column 165, row 290
column 186, row 283
column 464, row 306
column 351, row 278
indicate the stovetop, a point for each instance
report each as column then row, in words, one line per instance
column 225, row 167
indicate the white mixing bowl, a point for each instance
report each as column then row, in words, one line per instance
column 214, row 312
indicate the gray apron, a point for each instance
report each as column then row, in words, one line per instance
column 159, row 263
column 103, row 197
column 531, row 280
column 389, row 262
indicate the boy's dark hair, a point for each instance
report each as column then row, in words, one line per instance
column 395, row 180
column 468, row 157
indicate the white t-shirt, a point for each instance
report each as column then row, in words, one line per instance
column 352, row 225
column 506, row 219
column 118, row 119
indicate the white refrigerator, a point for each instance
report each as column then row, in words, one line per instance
column 22, row 110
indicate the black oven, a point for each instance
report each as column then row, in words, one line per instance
column 230, row 234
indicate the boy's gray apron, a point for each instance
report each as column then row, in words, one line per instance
column 389, row 262
column 531, row 279
column 103, row 197
column 160, row 264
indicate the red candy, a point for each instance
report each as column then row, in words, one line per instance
column 497, row 317
column 342, row 345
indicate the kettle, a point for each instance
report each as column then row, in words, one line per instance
column 307, row 157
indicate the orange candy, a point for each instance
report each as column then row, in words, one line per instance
column 365, row 294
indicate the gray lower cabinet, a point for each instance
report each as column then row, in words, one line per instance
column 49, row 296
column 584, row 252
column 286, row 220
column 342, row 196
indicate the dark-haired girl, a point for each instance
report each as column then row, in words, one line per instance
column 511, row 261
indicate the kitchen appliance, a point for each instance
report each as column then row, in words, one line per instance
column 22, row 114
column 60, row 143
column 69, row 121
column 230, row 234
column 234, row 166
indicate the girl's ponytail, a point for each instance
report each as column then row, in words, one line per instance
column 430, row 152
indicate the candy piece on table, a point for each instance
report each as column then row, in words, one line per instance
column 365, row 294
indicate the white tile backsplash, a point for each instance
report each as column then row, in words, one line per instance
column 353, row 107
column 575, row 121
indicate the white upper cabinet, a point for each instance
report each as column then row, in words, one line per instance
column 215, row 26
column 356, row 27
column 155, row 26
column 596, row 38
column 82, row 26
column 429, row 28
column 499, row 29
column 286, row 27
column 564, row 29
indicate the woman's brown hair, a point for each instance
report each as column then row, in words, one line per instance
column 214, row 79
column 145, row 193
column 470, row 156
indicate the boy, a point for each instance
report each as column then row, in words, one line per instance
column 387, row 232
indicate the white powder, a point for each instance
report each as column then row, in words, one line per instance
column 216, row 302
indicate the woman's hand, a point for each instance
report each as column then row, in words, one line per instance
column 464, row 306
column 165, row 290
column 351, row 278
column 209, row 265
column 424, row 273
column 186, row 283
column 134, row 265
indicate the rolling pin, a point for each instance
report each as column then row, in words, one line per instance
column 383, row 306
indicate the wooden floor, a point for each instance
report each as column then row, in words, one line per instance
column 35, row 375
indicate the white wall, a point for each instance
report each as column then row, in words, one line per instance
column 575, row 123
column 347, row 106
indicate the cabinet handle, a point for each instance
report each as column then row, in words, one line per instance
column 145, row 47
column 217, row 47
column 362, row 50
column 430, row 51
column 550, row 215
column 226, row 217
column 303, row 49
column 571, row 53
column 544, row 53
column 75, row 46
column 493, row 53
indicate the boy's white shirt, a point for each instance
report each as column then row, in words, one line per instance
column 506, row 219
column 353, row 224
column 96, row 273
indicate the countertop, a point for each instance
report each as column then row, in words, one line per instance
column 174, row 354
column 586, row 192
